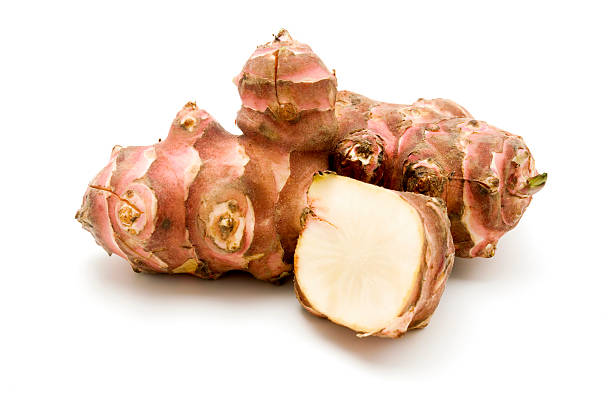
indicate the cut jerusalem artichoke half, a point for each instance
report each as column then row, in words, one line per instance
column 371, row 259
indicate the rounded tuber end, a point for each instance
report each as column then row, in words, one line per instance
column 532, row 185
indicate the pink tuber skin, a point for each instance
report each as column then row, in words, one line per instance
column 485, row 175
column 204, row 201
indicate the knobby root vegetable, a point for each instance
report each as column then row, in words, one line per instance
column 485, row 175
column 288, row 97
column 372, row 259
column 288, row 101
column 204, row 201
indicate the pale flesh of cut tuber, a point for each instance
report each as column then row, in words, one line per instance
column 372, row 259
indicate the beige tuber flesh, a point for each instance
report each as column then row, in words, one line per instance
column 371, row 259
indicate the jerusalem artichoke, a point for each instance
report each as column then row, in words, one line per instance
column 485, row 175
column 204, row 201
column 348, row 266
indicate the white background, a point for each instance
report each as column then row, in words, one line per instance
column 530, row 326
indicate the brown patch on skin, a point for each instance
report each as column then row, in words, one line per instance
column 222, row 228
column 423, row 180
column 189, row 123
column 166, row 224
column 364, row 150
column 303, row 217
column 226, row 226
column 361, row 156
column 402, row 126
column 287, row 112
column 474, row 124
column 203, row 271
column 127, row 215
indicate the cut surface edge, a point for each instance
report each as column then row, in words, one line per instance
column 360, row 255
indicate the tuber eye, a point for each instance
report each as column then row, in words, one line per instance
column 129, row 213
column 128, row 216
column 225, row 226
column 474, row 124
column 287, row 112
column 423, row 177
column 360, row 156
column 188, row 123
